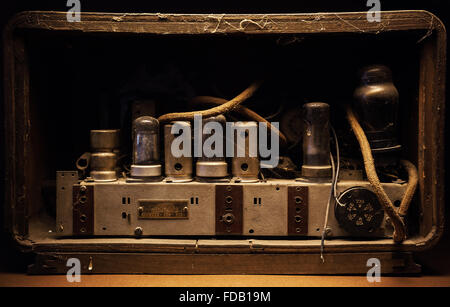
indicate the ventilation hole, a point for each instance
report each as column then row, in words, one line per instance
column 83, row 218
column 244, row 167
column 129, row 200
column 254, row 201
column 104, row 228
column 196, row 200
column 124, row 200
column 297, row 229
column 124, row 215
column 259, row 201
column 318, row 229
column 298, row 199
column 62, row 188
column 178, row 166
column 251, row 231
column 229, row 199
column 192, row 200
column 297, row 210
column 277, row 188
column 298, row 219
column 397, row 203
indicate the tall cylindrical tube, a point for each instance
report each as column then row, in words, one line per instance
column 316, row 140
column 245, row 164
column 146, row 158
column 376, row 105
column 178, row 166
column 212, row 162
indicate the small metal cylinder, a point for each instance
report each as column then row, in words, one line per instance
column 316, row 140
column 103, row 159
column 105, row 140
column 146, row 159
column 212, row 166
column 178, row 169
column 103, row 166
column 245, row 163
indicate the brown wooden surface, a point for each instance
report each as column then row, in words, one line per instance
column 354, row 22
column 225, row 264
column 22, row 280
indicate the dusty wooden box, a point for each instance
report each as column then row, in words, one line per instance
column 46, row 119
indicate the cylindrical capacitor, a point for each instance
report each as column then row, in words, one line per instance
column 146, row 161
column 245, row 164
column 178, row 169
column 105, row 140
column 103, row 166
column 212, row 166
column 103, row 159
column 316, row 140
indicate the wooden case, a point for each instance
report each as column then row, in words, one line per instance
column 415, row 38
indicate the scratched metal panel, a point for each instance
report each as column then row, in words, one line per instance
column 117, row 208
column 265, row 209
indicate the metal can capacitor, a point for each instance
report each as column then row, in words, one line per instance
column 103, row 159
column 178, row 166
column 212, row 166
column 245, row 162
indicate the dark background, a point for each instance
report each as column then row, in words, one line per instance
column 433, row 261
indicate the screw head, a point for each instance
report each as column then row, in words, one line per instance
column 138, row 231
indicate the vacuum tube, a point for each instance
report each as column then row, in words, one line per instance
column 146, row 159
column 316, row 141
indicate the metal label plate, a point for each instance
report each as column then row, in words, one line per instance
column 163, row 209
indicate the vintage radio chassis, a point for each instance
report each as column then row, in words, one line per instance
column 206, row 255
